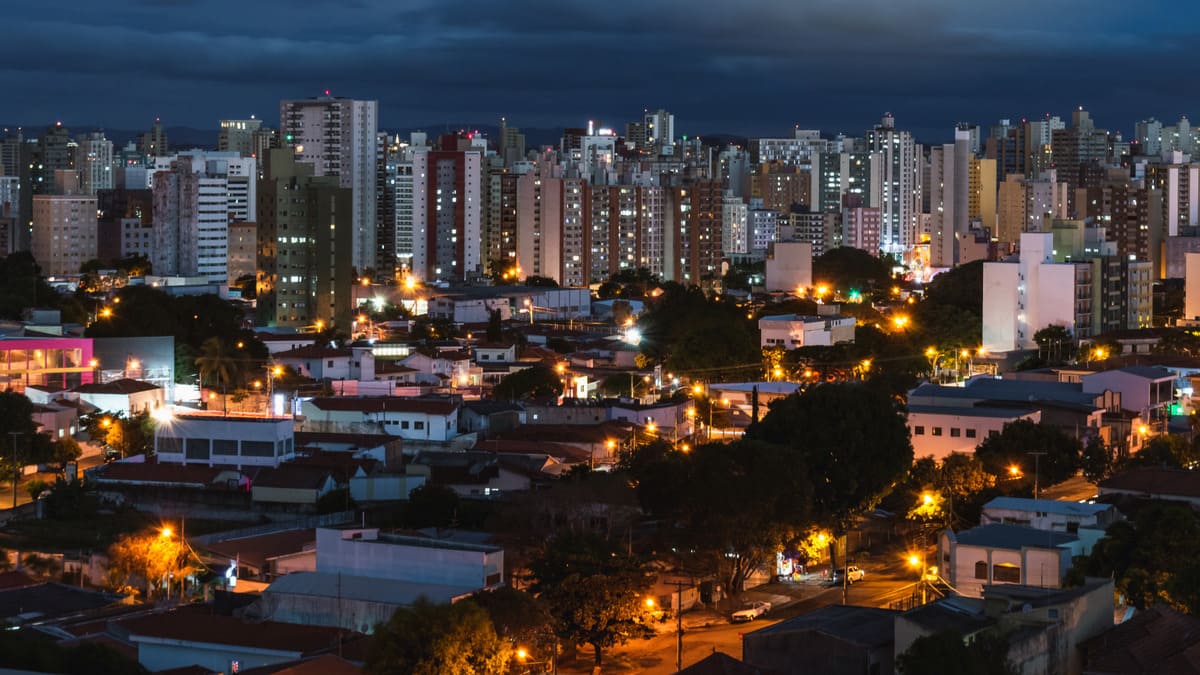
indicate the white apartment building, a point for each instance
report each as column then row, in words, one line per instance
column 900, row 184
column 225, row 441
column 446, row 214
column 337, row 136
column 94, row 161
column 792, row 331
column 1023, row 297
column 735, row 232
column 195, row 200
column 763, row 225
column 789, row 266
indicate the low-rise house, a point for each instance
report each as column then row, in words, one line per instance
column 56, row 420
column 1042, row 627
column 478, row 474
column 1153, row 483
column 125, row 395
column 495, row 352
column 834, row 640
column 226, row 441
column 1157, row 640
column 1143, row 389
column 416, row 419
column 277, row 343
column 792, row 331
column 939, row 431
column 318, row 362
column 263, row 557
column 380, row 485
column 1049, row 514
column 1008, row 554
column 293, row 485
column 222, row 644
column 485, row 417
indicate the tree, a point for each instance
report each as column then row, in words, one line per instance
column 530, row 383
column 1165, row 450
column 948, row 652
column 431, row 639
column 16, row 416
column 852, row 436
column 431, row 505
column 495, row 329
column 847, row 268
column 151, row 557
column 1096, row 460
column 1152, row 558
column 535, row 280
column 64, row 451
column 593, row 590
column 1055, row 343
column 218, row 365
column 516, row 615
column 1011, row 447
column 961, row 287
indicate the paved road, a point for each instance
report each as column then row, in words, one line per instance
column 657, row 655
column 6, row 487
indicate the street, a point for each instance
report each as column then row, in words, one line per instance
column 706, row 631
column 6, row 487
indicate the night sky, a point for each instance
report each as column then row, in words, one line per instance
column 754, row 67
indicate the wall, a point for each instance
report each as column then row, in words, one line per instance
column 177, row 654
column 385, row 487
column 940, row 447
column 336, row 552
column 1000, row 307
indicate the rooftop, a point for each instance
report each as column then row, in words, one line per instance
column 782, row 388
column 988, row 388
column 720, row 663
column 153, row 472
column 379, row 404
column 256, row 551
column 971, row 411
column 868, row 626
column 42, row 601
column 351, row 587
column 1012, row 537
column 963, row 615
column 122, row 387
column 1048, row 506
column 313, row 352
column 1157, row 640
column 224, row 630
column 1155, row 481
column 293, row 477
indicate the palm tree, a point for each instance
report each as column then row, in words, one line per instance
column 215, row 361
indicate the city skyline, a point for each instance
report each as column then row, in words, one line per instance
column 753, row 69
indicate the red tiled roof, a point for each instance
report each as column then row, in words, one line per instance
column 293, row 476
column 527, row 447
column 1157, row 640
column 326, row 664
column 387, row 404
column 224, row 630
column 1156, row 481
column 199, row 476
column 124, row 386
column 314, row 352
column 568, row 433
column 255, row 551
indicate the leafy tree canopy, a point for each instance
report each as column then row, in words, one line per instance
column 947, row 652
column 846, row 268
column 853, row 436
column 537, row 382
column 1011, row 447
column 430, row 639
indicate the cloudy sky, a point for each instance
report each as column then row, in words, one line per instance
column 737, row 66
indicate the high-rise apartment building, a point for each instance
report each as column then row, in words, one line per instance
column 1076, row 150
column 861, row 227
column 697, row 232
column 660, row 132
column 735, row 235
column 338, row 137
column 153, row 143
column 64, row 227
column 900, row 184
column 305, row 233
column 195, row 200
column 94, row 162
column 540, row 219
column 446, row 212
column 500, row 220
column 249, row 138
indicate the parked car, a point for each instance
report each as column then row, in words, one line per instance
column 751, row 611
column 851, row 574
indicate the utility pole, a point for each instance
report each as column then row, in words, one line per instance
column 1037, row 457
column 16, row 472
column 678, row 625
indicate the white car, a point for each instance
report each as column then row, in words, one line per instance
column 853, row 573
column 751, row 611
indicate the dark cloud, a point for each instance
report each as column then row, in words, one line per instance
column 753, row 66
